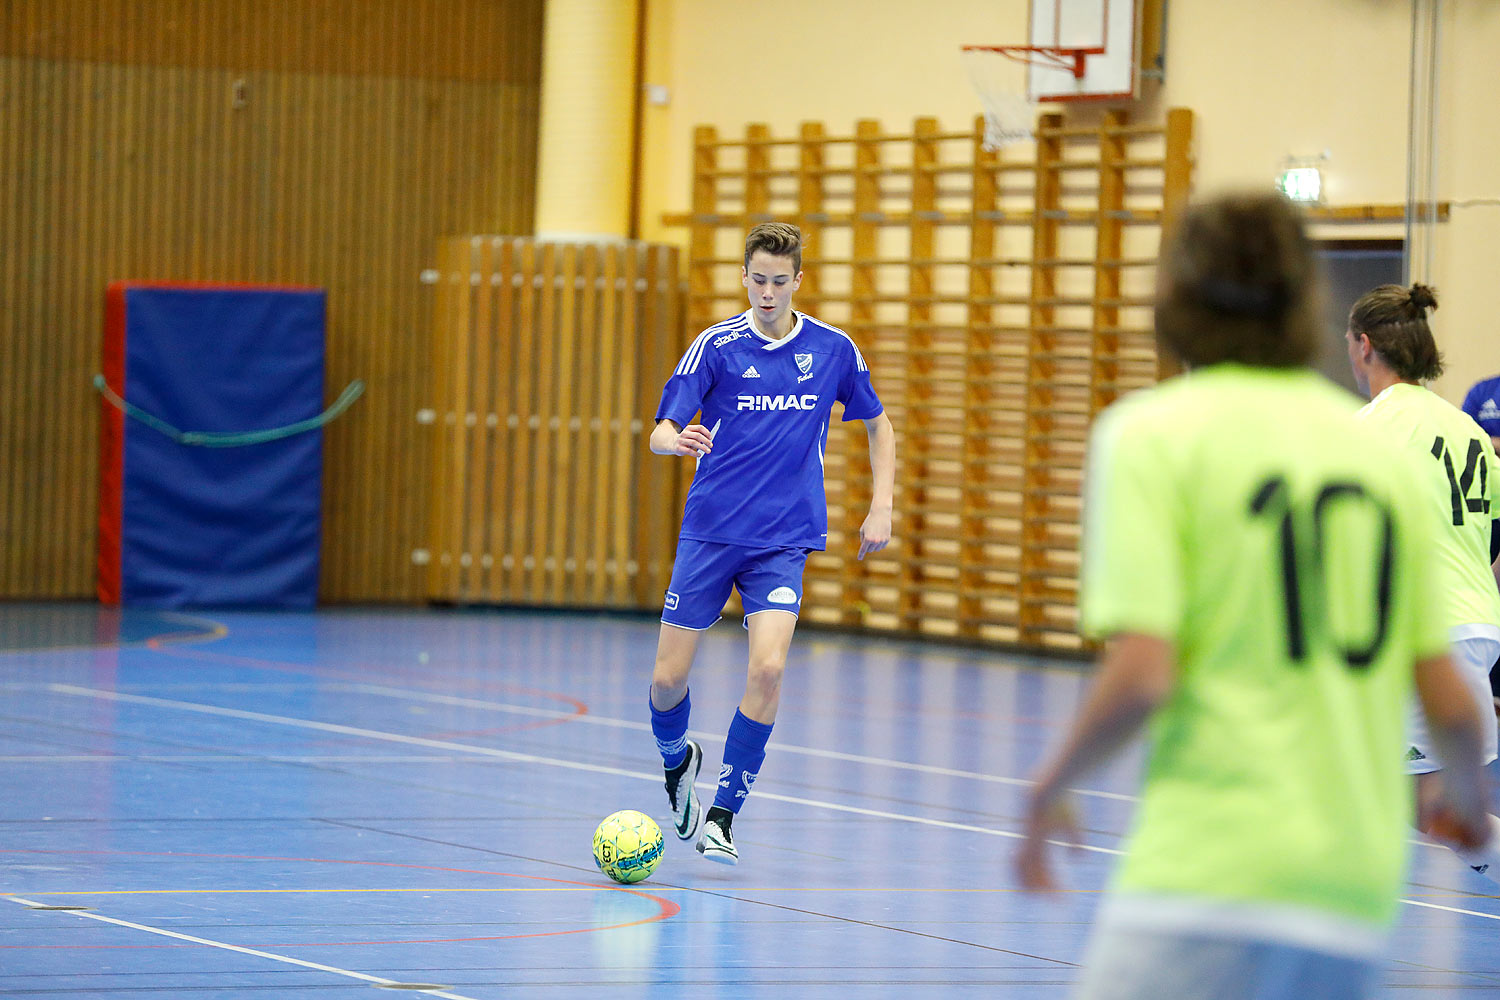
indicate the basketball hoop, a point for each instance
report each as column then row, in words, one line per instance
column 1010, row 113
column 1070, row 58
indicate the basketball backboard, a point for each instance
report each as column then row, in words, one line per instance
column 1103, row 32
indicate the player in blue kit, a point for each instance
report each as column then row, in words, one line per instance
column 765, row 382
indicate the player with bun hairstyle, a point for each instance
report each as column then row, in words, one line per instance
column 1392, row 351
column 1256, row 564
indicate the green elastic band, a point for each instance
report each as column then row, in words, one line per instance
column 231, row 439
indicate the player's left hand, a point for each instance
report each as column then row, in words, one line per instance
column 1044, row 820
column 874, row 534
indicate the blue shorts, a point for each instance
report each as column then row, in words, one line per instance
column 768, row 579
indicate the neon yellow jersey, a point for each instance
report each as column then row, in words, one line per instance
column 1463, row 481
column 1247, row 516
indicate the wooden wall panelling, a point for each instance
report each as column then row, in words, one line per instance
column 17, row 200
column 644, row 503
column 476, row 558
column 610, row 347
column 672, row 478
column 542, row 422
column 564, row 504
column 626, row 427
column 656, row 506
column 10, row 267
column 449, row 466
column 129, row 152
column 585, row 421
column 500, row 429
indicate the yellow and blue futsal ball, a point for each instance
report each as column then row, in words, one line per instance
column 627, row 846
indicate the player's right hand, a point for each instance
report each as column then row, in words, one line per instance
column 1046, row 818
column 694, row 440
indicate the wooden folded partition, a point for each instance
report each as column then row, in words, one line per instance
column 549, row 362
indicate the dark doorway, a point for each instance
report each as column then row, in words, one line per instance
column 1351, row 267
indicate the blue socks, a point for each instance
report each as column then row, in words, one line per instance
column 744, row 752
column 670, row 729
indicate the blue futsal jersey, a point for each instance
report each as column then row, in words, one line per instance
column 1483, row 404
column 767, row 405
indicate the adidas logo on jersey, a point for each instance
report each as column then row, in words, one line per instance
column 750, row 373
column 1489, row 411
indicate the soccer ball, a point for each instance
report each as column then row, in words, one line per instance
column 627, row 846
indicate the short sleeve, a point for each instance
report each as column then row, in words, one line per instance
column 1133, row 564
column 689, row 385
column 855, row 390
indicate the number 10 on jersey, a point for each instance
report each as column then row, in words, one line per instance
column 1309, row 544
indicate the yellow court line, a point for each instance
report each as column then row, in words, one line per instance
column 642, row 886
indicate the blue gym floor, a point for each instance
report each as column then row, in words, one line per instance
column 286, row 805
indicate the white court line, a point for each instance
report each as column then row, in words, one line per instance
column 524, row 758
column 1450, row 909
column 603, row 720
column 286, row 959
column 375, row 734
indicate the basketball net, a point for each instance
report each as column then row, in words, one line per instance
column 1009, row 114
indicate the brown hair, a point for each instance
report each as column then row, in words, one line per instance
column 779, row 239
column 1238, row 282
column 1395, row 320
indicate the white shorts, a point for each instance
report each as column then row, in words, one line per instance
column 1474, row 649
column 1137, row 964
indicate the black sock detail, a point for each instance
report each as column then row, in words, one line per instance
column 720, row 815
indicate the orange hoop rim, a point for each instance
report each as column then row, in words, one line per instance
column 1066, row 57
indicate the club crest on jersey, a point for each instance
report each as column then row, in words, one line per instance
column 804, row 365
column 787, row 402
